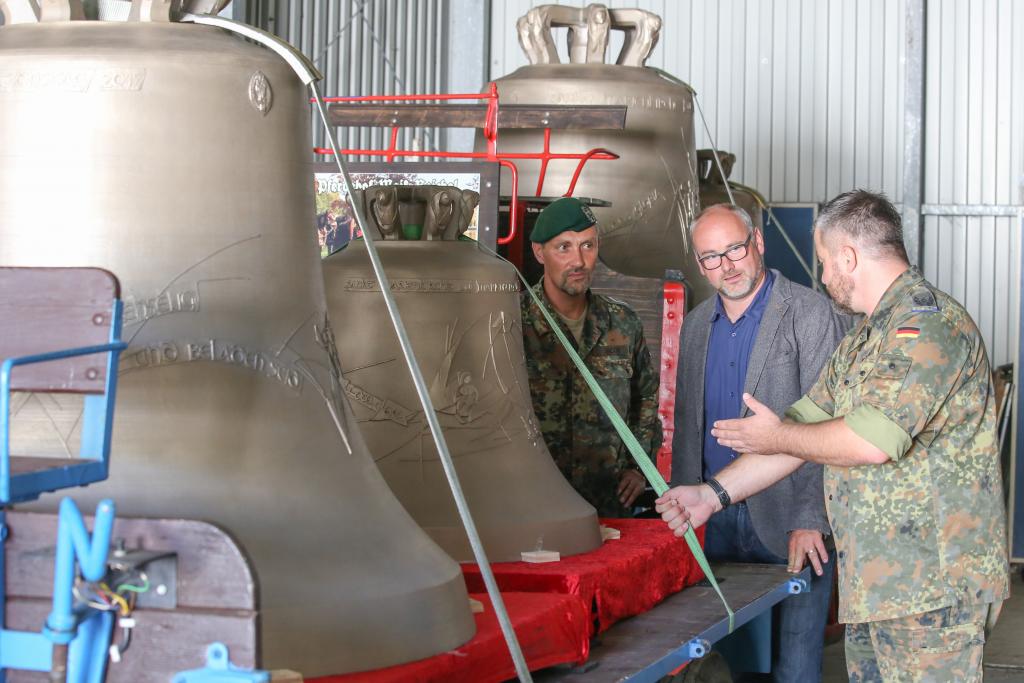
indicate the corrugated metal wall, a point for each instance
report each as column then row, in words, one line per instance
column 367, row 47
column 974, row 154
column 809, row 94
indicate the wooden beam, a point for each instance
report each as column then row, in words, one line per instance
column 474, row 116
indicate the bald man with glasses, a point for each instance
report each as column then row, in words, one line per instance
column 765, row 335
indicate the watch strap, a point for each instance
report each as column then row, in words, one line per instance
column 723, row 495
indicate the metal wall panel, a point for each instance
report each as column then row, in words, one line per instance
column 810, row 96
column 974, row 139
column 366, row 47
column 975, row 259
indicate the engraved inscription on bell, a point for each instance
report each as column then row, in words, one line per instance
column 34, row 79
column 461, row 308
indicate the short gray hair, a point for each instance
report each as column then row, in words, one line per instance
column 869, row 218
column 735, row 210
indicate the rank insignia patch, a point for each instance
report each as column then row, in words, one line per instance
column 924, row 302
column 908, row 332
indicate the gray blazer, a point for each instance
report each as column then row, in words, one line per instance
column 799, row 331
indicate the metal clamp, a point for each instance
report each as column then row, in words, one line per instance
column 158, row 568
column 697, row 648
column 219, row 669
column 299, row 63
column 797, row 586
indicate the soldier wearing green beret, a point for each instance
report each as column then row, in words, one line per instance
column 903, row 418
column 609, row 337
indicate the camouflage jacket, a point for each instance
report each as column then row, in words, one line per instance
column 578, row 434
column 927, row 529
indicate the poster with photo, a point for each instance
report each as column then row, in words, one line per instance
column 336, row 223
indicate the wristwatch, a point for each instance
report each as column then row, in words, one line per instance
column 723, row 495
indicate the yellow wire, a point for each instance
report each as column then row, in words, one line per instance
column 118, row 600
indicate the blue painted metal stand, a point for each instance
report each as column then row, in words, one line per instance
column 75, row 637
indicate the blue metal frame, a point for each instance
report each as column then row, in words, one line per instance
column 701, row 644
column 748, row 649
column 73, row 542
column 84, row 630
column 97, row 425
column 89, row 651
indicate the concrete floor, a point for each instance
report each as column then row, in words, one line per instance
column 1004, row 652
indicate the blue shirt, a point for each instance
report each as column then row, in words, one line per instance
column 725, row 371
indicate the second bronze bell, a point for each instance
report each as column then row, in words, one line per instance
column 460, row 306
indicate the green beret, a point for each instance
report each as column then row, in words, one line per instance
column 566, row 213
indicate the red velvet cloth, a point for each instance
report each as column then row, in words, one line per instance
column 552, row 629
column 622, row 578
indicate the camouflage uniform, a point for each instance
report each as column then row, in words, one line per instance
column 921, row 538
column 946, row 644
column 577, row 432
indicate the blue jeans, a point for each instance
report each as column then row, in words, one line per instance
column 798, row 626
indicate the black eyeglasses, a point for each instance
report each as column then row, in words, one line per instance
column 737, row 253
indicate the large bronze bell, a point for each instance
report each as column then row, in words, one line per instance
column 461, row 308
column 178, row 157
column 653, row 185
column 712, row 185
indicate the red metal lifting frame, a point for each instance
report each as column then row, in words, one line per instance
column 673, row 311
column 490, row 131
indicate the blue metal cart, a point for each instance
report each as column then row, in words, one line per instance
column 685, row 627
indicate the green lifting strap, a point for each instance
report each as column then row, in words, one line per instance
column 646, row 466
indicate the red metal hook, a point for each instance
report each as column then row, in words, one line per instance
column 491, row 122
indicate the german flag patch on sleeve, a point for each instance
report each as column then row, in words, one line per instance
column 908, row 332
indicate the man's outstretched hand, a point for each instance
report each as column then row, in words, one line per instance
column 753, row 434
